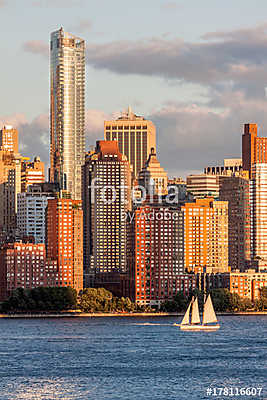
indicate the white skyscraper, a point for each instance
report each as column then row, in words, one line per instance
column 67, row 111
column 258, row 211
column 31, row 214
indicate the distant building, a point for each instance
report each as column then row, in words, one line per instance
column 32, row 173
column 9, row 139
column 10, row 179
column 32, row 213
column 153, row 177
column 67, row 111
column 203, row 185
column 24, row 265
column 136, row 137
column 207, row 281
column 230, row 166
column 247, row 284
column 177, row 185
column 254, row 148
column 206, row 236
column 106, row 202
column 235, row 190
column 64, row 240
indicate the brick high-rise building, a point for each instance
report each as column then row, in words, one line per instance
column 136, row 137
column 67, row 111
column 254, row 148
column 32, row 172
column 235, row 190
column 64, row 240
column 159, row 255
column 106, row 201
column 24, row 265
column 247, row 283
column 206, row 235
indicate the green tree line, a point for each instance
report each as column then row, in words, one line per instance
column 56, row 299
column 223, row 301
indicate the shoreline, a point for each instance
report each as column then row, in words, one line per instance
column 97, row 315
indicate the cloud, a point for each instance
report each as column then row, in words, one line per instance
column 36, row 47
column 33, row 135
column 191, row 137
column 169, row 6
column 57, row 3
column 94, row 124
column 85, row 25
column 2, row 3
column 222, row 60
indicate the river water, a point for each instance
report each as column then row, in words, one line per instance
column 128, row 358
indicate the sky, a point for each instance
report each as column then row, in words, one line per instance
column 198, row 70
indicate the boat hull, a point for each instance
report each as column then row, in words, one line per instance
column 206, row 328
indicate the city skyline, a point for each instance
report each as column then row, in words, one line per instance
column 222, row 101
column 133, row 199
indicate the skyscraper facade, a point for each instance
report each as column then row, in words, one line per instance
column 106, row 201
column 31, row 214
column 258, row 205
column 9, row 139
column 206, row 235
column 136, row 137
column 10, row 179
column 64, row 240
column 254, row 148
column 67, row 111
column 235, row 190
column 159, row 255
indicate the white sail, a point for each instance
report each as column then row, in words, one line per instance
column 195, row 319
column 209, row 313
column 185, row 320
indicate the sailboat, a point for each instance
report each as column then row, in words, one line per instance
column 209, row 317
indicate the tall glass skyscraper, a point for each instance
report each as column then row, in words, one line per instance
column 67, row 111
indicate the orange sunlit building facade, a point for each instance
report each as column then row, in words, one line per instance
column 254, row 148
column 9, row 139
column 64, row 235
column 206, row 236
column 248, row 284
